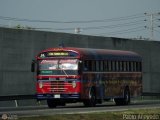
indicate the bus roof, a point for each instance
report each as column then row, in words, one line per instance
column 100, row 54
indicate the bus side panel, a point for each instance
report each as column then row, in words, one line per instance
column 111, row 85
column 107, row 85
column 136, row 85
column 115, row 84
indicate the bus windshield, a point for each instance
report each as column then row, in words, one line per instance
column 58, row 67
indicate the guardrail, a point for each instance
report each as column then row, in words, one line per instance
column 23, row 97
column 17, row 97
column 150, row 94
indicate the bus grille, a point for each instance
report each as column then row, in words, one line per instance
column 57, row 87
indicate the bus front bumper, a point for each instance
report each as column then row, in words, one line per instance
column 57, row 96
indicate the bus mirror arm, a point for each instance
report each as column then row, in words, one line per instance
column 33, row 66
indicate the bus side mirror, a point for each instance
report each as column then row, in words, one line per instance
column 33, row 66
column 80, row 65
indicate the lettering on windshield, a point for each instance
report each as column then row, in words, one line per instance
column 68, row 64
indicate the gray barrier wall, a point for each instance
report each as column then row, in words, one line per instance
column 19, row 47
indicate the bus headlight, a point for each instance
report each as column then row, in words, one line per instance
column 74, row 84
column 40, row 84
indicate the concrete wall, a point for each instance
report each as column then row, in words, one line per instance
column 19, row 47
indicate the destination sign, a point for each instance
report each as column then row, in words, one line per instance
column 58, row 54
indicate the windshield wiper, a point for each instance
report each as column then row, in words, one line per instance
column 64, row 72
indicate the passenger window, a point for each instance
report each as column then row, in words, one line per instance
column 101, row 66
column 117, row 66
column 124, row 66
column 113, row 65
column 109, row 66
column 93, row 66
column 97, row 65
column 120, row 65
column 105, row 65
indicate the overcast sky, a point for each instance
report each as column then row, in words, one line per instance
column 116, row 18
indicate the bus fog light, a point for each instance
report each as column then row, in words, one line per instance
column 40, row 84
column 74, row 84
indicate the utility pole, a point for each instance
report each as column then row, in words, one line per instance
column 151, row 27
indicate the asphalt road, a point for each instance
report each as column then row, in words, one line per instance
column 74, row 109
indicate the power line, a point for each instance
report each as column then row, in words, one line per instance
column 82, row 21
column 157, row 31
column 132, row 23
column 115, row 25
column 100, row 27
column 140, row 28
column 133, row 20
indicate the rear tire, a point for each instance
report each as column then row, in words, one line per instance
column 126, row 98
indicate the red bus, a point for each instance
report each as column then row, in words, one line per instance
column 66, row 75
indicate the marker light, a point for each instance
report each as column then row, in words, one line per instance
column 40, row 84
column 74, row 84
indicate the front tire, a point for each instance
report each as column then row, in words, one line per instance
column 51, row 103
column 91, row 102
